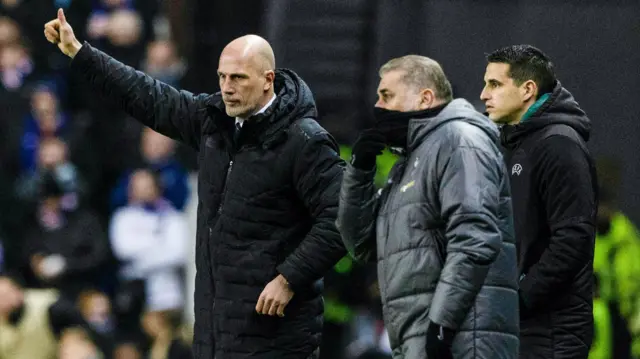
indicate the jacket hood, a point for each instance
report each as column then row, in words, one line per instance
column 559, row 108
column 294, row 97
column 294, row 100
column 458, row 109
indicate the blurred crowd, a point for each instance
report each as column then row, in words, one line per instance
column 93, row 232
column 94, row 237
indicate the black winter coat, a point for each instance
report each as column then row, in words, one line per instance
column 554, row 192
column 267, row 206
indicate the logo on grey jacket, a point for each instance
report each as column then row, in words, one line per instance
column 516, row 169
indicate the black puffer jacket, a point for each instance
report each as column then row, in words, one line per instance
column 442, row 234
column 554, row 189
column 267, row 205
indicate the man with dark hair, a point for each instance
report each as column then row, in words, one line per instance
column 441, row 230
column 553, row 184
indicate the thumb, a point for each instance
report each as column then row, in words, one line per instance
column 61, row 17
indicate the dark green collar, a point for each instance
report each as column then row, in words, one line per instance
column 536, row 105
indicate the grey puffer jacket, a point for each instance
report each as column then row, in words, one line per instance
column 441, row 232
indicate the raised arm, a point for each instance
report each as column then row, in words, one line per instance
column 358, row 207
column 176, row 114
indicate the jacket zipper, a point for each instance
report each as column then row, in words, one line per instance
column 222, row 198
column 234, row 150
column 224, row 188
column 224, row 192
column 392, row 184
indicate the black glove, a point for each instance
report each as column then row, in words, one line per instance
column 367, row 147
column 439, row 341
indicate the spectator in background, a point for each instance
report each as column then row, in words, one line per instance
column 76, row 344
column 98, row 22
column 123, row 36
column 124, row 28
column 162, row 63
column 119, row 28
column 604, row 345
column 40, row 316
column 45, row 120
column 9, row 32
column 11, row 223
column 29, row 15
column 16, row 66
column 95, row 308
column 150, row 238
column 127, row 350
column 13, row 104
column 66, row 249
column 616, row 266
column 52, row 165
column 161, row 326
column 157, row 154
column 368, row 334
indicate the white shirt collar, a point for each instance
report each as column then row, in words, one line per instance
column 240, row 120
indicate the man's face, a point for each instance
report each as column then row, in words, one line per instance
column 160, row 55
column 45, row 107
column 97, row 309
column 394, row 94
column 242, row 83
column 44, row 103
column 9, row 32
column 504, row 100
column 51, row 154
column 142, row 188
column 156, row 147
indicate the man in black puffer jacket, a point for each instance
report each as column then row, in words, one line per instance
column 268, row 193
column 554, row 188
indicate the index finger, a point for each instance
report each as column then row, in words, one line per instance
column 260, row 304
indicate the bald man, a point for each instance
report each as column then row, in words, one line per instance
column 268, row 193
